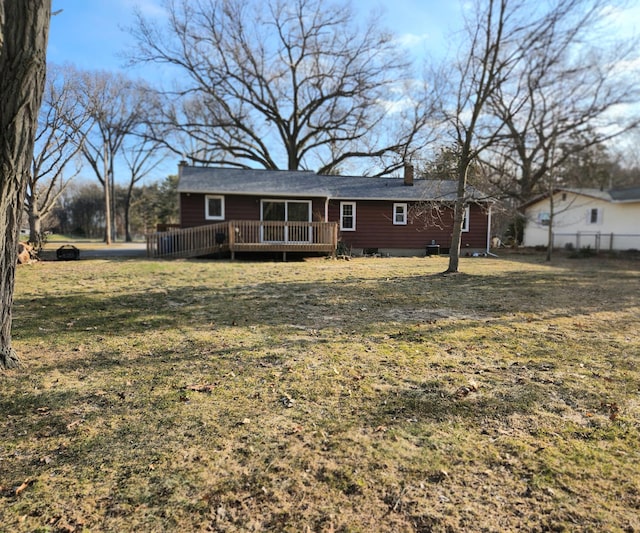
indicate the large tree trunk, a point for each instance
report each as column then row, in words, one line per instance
column 127, row 214
column 107, row 197
column 24, row 30
column 35, row 226
column 456, row 236
column 107, row 214
column 458, row 212
column 550, row 230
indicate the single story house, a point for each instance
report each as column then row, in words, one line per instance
column 283, row 210
column 599, row 219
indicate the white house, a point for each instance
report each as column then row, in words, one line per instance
column 601, row 220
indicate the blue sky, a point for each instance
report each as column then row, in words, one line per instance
column 89, row 33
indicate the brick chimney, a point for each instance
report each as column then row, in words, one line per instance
column 408, row 175
column 181, row 165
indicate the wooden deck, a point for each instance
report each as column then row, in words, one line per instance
column 244, row 236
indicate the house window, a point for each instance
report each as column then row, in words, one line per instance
column 465, row 221
column 347, row 216
column 214, row 208
column 400, row 214
column 594, row 216
column 544, row 219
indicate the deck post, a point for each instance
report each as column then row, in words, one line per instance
column 232, row 240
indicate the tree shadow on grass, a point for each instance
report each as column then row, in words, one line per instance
column 365, row 306
column 433, row 402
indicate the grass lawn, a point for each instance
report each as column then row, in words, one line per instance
column 368, row 395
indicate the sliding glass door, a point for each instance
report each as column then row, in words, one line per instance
column 285, row 211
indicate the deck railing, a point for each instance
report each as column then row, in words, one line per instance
column 244, row 235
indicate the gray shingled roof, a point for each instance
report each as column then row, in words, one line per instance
column 294, row 183
column 632, row 194
column 628, row 195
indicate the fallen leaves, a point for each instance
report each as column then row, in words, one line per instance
column 287, row 401
column 613, row 408
column 200, row 387
column 465, row 390
column 75, row 423
column 25, row 484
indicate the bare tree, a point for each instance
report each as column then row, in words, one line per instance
column 58, row 140
column 141, row 156
column 527, row 78
column 283, row 84
column 24, row 30
column 487, row 60
column 115, row 105
column 568, row 88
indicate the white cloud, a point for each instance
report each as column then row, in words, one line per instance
column 625, row 21
column 397, row 106
column 148, row 8
column 412, row 40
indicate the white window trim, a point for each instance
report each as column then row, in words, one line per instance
column 465, row 225
column 353, row 215
column 286, row 206
column 208, row 197
column 403, row 222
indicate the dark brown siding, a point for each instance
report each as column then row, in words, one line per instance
column 374, row 225
column 375, row 228
column 235, row 208
column 476, row 237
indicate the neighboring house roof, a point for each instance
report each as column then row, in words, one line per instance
column 631, row 194
column 215, row 180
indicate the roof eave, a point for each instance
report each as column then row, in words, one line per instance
column 251, row 193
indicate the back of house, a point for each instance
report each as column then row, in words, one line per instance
column 394, row 216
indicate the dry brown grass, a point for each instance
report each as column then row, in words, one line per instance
column 370, row 395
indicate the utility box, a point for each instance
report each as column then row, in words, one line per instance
column 433, row 249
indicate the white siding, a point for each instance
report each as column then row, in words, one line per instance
column 573, row 216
